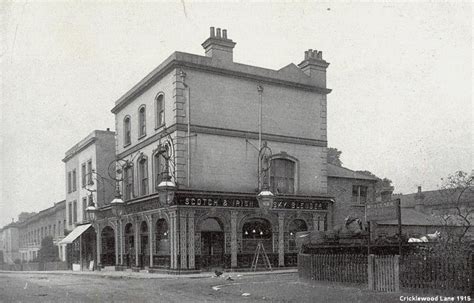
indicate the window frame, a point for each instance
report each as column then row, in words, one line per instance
column 74, row 211
column 157, row 170
column 357, row 198
column 83, row 174
column 74, row 180
column 69, row 182
column 159, row 110
column 142, row 164
column 285, row 157
column 142, row 121
column 128, row 186
column 127, row 130
column 89, row 171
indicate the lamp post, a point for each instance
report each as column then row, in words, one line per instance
column 118, row 210
column 91, row 209
column 260, row 118
column 167, row 187
column 265, row 197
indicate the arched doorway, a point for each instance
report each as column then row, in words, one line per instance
column 144, row 245
column 295, row 226
column 162, row 258
column 257, row 230
column 107, row 256
column 212, row 243
column 129, row 245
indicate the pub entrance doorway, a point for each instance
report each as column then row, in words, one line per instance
column 212, row 244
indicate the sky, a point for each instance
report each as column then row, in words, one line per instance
column 400, row 74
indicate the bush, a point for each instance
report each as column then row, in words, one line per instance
column 48, row 251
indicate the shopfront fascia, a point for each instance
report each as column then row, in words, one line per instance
column 199, row 229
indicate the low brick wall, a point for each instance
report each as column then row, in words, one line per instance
column 55, row 266
column 30, row 266
column 34, row 266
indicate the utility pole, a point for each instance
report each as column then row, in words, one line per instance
column 260, row 113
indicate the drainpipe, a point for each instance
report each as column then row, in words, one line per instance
column 188, row 110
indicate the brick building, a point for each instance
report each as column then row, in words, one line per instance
column 87, row 183
column 34, row 228
column 425, row 212
column 199, row 141
column 9, row 243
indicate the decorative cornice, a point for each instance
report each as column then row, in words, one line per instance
column 178, row 59
column 78, row 148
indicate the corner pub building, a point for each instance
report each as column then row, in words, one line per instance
column 188, row 142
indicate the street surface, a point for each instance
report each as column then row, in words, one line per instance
column 120, row 287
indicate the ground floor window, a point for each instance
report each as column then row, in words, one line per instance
column 295, row 226
column 162, row 238
column 254, row 231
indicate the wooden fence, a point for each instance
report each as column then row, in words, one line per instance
column 383, row 273
column 428, row 272
column 335, row 268
column 391, row 273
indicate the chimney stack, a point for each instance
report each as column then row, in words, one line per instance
column 218, row 46
column 419, row 197
column 314, row 66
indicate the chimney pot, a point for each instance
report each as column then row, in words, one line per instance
column 212, row 31
column 108, row 129
column 218, row 32
column 419, row 189
column 320, row 55
column 224, row 33
column 306, row 55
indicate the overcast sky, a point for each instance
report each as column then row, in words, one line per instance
column 401, row 75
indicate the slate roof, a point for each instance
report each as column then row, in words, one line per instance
column 437, row 198
column 342, row 172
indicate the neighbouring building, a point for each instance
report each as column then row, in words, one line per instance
column 88, row 181
column 351, row 191
column 198, row 140
column 425, row 212
column 33, row 228
column 9, row 243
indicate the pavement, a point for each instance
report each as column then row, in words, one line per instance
column 128, row 274
column 275, row 286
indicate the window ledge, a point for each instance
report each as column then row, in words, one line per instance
column 127, row 144
column 142, row 136
column 160, row 126
column 357, row 205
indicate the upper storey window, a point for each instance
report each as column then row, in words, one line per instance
column 142, row 121
column 127, row 133
column 160, row 110
column 282, row 176
column 359, row 194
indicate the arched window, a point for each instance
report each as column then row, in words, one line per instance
column 296, row 225
column 282, row 176
column 257, row 230
column 143, row 175
column 128, row 182
column 162, row 240
column 160, row 110
column 157, row 169
column 142, row 121
column 127, row 139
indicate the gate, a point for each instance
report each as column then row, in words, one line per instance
column 383, row 273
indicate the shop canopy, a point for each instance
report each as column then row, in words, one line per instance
column 73, row 235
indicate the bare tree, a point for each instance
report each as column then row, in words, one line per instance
column 457, row 192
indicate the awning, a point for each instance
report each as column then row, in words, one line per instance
column 74, row 234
